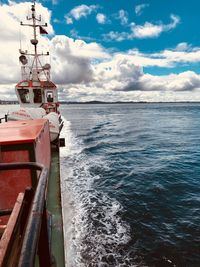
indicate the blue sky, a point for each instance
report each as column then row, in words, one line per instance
column 139, row 12
column 139, row 50
column 155, row 11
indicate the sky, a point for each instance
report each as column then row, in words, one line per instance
column 116, row 50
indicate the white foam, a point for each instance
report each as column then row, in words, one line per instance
column 72, row 145
column 93, row 228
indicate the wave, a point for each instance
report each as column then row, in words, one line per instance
column 93, row 228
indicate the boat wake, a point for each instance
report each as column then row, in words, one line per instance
column 94, row 230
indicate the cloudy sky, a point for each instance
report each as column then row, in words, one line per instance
column 130, row 50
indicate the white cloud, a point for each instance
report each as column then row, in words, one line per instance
column 68, row 20
column 86, row 71
column 182, row 57
column 123, row 17
column 148, row 30
column 149, row 60
column 182, row 46
column 75, row 34
column 56, row 20
column 12, row 14
column 175, row 21
column 115, row 36
column 80, row 11
column 167, row 58
column 101, row 18
column 120, row 77
column 186, row 81
column 71, row 59
column 139, row 9
column 117, row 84
column 7, row 92
column 79, row 48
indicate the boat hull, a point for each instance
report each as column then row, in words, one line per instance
column 29, row 176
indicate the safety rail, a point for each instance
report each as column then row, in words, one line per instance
column 35, row 236
column 5, row 118
column 61, row 124
column 5, row 212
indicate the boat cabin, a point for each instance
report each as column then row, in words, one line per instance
column 38, row 94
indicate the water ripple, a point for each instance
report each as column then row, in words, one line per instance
column 134, row 184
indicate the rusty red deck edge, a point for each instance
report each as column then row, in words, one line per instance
column 18, row 132
column 6, row 238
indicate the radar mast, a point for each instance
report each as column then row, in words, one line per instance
column 35, row 71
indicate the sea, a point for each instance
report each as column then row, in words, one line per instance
column 131, row 184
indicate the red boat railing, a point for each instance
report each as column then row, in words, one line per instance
column 25, row 237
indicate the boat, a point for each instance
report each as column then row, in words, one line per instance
column 31, row 225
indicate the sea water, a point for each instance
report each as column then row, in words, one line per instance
column 131, row 179
column 131, row 184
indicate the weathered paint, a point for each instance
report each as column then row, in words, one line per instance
column 34, row 147
column 31, row 84
column 13, row 182
column 8, row 239
column 36, row 150
column 18, row 132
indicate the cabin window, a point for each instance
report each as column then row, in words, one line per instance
column 23, row 84
column 37, row 96
column 24, row 95
column 49, row 96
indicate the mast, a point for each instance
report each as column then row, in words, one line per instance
column 36, row 67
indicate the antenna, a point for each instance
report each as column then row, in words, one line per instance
column 20, row 39
column 36, row 67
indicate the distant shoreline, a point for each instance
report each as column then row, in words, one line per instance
column 5, row 102
column 123, row 102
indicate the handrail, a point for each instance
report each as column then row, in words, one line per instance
column 5, row 212
column 32, row 233
column 61, row 126
column 33, row 229
column 4, row 118
column 21, row 165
